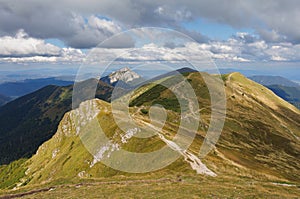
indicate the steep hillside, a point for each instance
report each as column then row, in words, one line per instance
column 27, row 122
column 262, row 131
column 258, row 151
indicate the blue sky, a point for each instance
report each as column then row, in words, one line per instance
column 56, row 42
column 213, row 30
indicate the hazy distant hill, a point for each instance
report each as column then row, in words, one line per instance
column 20, row 88
column 4, row 99
column 273, row 80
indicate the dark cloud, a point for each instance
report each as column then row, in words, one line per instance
column 245, row 37
column 46, row 19
column 118, row 41
column 171, row 45
column 271, row 36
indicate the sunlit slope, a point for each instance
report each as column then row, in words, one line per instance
column 261, row 130
column 260, row 139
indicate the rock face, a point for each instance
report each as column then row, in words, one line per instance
column 123, row 76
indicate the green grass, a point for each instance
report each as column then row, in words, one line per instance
column 11, row 174
column 256, row 148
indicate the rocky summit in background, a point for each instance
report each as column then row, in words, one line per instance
column 28, row 121
column 123, row 76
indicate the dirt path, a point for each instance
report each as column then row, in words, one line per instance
column 190, row 158
column 125, row 182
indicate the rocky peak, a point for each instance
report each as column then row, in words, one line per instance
column 124, row 74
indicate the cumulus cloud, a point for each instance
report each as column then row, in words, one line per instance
column 274, row 20
column 89, row 33
column 271, row 36
column 247, row 47
column 242, row 47
column 22, row 48
column 44, row 19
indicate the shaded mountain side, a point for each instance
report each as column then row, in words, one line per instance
column 259, row 142
column 17, row 89
column 290, row 94
column 4, row 99
column 27, row 122
column 284, row 88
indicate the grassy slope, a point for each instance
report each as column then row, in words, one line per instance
column 262, row 130
column 258, row 146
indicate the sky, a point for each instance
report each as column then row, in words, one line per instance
column 244, row 35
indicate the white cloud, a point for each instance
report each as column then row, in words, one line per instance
column 245, row 47
column 21, row 45
column 242, row 47
column 22, row 48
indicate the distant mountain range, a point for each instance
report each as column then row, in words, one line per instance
column 20, row 88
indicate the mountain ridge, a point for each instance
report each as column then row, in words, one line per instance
column 259, row 140
column 28, row 121
column 258, row 148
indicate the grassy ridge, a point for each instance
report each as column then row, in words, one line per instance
column 258, row 147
